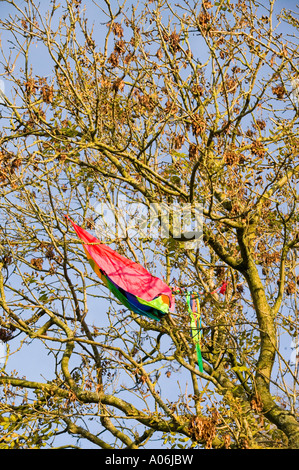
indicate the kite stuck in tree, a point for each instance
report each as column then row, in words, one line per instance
column 130, row 283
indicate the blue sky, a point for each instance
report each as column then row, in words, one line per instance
column 32, row 360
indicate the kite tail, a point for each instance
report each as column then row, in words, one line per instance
column 199, row 357
column 195, row 321
column 198, row 350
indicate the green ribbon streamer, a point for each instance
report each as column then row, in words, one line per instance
column 195, row 329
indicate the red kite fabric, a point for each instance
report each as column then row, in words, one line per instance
column 129, row 278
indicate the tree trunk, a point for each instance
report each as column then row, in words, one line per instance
column 283, row 419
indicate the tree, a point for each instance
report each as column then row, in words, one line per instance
column 160, row 104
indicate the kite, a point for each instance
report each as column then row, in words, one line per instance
column 130, row 282
column 136, row 288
